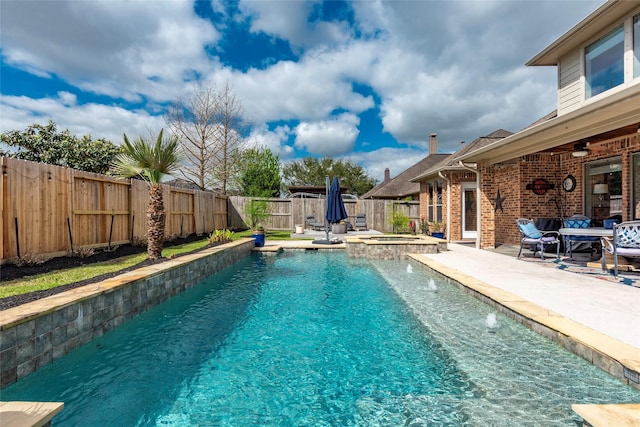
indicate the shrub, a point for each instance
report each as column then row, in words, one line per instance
column 399, row 221
column 220, row 236
column 29, row 260
column 81, row 252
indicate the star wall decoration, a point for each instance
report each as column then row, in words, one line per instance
column 498, row 202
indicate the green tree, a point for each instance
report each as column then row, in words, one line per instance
column 42, row 143
column 151, row 162
column 312, row 171
column 260, row 173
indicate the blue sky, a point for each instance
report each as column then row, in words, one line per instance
column 366, row 81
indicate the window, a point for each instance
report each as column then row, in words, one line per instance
column 604, row 62
column 435, row 195
column 636, row 46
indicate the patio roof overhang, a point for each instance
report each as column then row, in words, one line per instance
column 606, row 115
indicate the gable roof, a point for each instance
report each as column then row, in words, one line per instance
column 403, row 185
column 451, row 162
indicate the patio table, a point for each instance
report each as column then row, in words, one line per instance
column 592, row 232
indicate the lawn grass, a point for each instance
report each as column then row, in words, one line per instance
column 77, row 274
column 72, row 275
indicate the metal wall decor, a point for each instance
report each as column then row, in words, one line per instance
column 540, row 186
column 497, row 202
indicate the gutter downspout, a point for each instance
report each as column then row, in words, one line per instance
column 444, row 177
column 474, row 168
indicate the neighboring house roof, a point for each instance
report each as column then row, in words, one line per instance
column 451, row 162
column 403, row 185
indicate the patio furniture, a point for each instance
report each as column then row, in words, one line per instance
column 625, row 242
column 530, row 235
column 578, row 222
column 360, row 222
column 313, row 224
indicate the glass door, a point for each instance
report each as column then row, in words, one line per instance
column 603, row 189
column 469, row 210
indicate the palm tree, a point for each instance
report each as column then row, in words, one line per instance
column 150, row 162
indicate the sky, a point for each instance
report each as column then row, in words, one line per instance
column 365, row 81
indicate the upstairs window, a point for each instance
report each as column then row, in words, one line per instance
column 636, row 46
column 604, row 61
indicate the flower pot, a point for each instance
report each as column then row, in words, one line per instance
column 299, row 229
column 259, row 237
column 438, row 234
column 339, row 228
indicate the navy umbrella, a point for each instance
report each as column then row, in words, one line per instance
column 335, row 206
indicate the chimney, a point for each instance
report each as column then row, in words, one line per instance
column 433, row 143
column 387, row 175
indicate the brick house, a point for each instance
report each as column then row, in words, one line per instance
column 592, row 140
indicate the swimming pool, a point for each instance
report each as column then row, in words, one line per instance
column 319, row 339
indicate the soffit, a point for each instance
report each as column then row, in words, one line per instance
column 602, row 19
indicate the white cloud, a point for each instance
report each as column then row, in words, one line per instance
column 396, row 159
column 115, row 48
column 101, row 121
column 330, row 137
column 275, row 140
column 288, row 20
column 453, row 68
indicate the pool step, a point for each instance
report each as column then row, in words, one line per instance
column 27, row 414
column 609, row 415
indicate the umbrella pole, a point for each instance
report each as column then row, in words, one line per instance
column 326, row 206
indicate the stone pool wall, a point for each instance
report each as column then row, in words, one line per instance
column 371, row 248
column 35, row 334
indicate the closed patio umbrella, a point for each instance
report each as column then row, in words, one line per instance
column 335, row 206
column 335, row 209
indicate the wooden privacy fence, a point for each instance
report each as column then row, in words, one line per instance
column 286, row 213
column 48, row 210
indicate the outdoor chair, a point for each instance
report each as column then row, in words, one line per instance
column 360, row 222
column 625, row 242
column 313, row 224
column 530, row 235
column 578, row 221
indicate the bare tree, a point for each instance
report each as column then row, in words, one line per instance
column 209, row 122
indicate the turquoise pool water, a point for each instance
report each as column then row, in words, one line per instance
column 319, row 339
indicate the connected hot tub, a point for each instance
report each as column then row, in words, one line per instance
column 393, row 246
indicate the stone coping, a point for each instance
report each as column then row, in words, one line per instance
column 25, row 312
column 395, row 239
column 32, row 414
column 609, row 415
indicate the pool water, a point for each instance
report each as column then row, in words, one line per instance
column 320, row 339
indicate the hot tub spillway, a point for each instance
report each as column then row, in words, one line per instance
column 393, row 247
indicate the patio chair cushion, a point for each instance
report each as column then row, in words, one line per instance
column 530, row 230
column 578, row 223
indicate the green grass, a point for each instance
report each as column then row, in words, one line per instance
column 64, row 277
column 72, row 275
